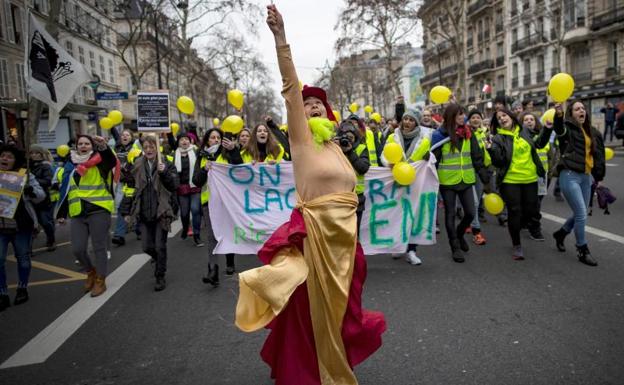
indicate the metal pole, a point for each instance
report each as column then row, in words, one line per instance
column 157, row 53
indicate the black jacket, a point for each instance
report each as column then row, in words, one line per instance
column 572, row 148
column 43, row 173
column 281, row 138
column 200, row 175
column 501, row 151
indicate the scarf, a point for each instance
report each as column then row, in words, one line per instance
column 191, row 158
column 85, row 162
column 416, row 136
column 79, row 159
column 463, row 132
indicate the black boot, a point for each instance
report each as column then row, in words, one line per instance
column 458, row 254
column 463, row 245
column 197, row 240
column 559, row 236
column 5, row 302
column 21, row 296
column 584, row 256
column 229, row 264
column 119, row 241
column 213, row 275
column 160, row 284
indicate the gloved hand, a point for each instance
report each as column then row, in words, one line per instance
column 29, row 191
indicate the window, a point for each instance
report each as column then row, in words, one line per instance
column 21, row 83
column 612, row 50
column 527, row 29
column 514, row 35
column 500, row 51
column 540, row 69
column 41, row 6
column 92, row 59
column 69, row 47
column 16, row 21
column 487, row 54
column 500, row 83
column 102, row 68
column 574, row 13
column 4, row 78
column 81, row 55
column 527, row 72
column 2, row 23
column 111, row 71
column 539, row 26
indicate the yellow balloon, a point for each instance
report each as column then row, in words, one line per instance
column 284, row 127
column 62, row 150
column 440, row 94
column 116, row 116
column 493, row 203
column 353, row 107
column 393, row 153
column 236, row 98
column 175, row 127
column 549, row 116
column 106, row 123
column 403, row 173
column 132, row 154
column 185, row 105
column 609, row 153
column 215, row 122
column 561, row 87
column 376, row 117
column 337, row 115
column 232, row 124
column 368, row 109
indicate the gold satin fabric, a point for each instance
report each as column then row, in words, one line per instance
column 327, row 264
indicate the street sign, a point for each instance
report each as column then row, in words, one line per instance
column 111, row 96
column 153, row 111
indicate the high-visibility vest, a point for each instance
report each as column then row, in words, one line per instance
column 55, row 194
column 91, row 188
column 247, row 158
column 419, row 152
column 543, row 154
column 205, row 191
column 372, row 148
column 480, row 134
column 456, row 167
column 359, row 187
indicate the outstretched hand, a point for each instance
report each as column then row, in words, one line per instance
column 276, row 24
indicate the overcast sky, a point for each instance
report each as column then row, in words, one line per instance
column 310, row 33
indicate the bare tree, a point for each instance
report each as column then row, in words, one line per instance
column 383, row 24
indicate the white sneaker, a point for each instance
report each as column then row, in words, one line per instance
column 412, row 258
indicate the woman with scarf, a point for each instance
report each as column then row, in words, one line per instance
column 475, row 121
column 214, row 148
column 415, row 141
column 582, row 157
column 309, row 291
column 514, row 154
column 123, row 146
column 262, row 147
column 18, row 230
column 86, row 194
column 155, row 182
column 189, row 195
column 459, row 160
column 42, row 170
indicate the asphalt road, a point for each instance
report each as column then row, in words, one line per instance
column 492, row 320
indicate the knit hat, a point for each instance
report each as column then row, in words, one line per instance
column 475, row 112
column 516, row 104
column 320, row 94
column 182, row 135
column 414, row 115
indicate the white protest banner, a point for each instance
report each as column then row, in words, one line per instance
column 153, row 111
column 249, row 202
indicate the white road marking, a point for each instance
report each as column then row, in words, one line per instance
column 611, row 164
column 589, row 229
column 176, row 226
column 44, row 344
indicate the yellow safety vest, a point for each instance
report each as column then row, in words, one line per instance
column 456, row 167
column 480, row 134
column 372, row 149
column 247, row 158
column 543, row 154
column 205, row 191
column 419, row 153
column 359, row 187
column 91, row 188
column 55, row 194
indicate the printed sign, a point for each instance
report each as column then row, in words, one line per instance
column 111, row 96
column 11, row 186
column 153, row 111
column 251, row 201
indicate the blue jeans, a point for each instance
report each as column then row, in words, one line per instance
column 190, row 204
column 477, row 190
column 45, row 216
column 576, row 189
column 22, row 246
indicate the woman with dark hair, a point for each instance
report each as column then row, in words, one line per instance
column 514, row 153
column 459, row 160
column 18, row 230
column 42, row 170
column 582, row 157
column 122, row 148
column 475, row 121
column 262, row 147
column 189, row 195
column 86, row 194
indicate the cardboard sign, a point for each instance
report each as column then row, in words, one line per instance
column 153, row 111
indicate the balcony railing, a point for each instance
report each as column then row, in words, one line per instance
column 531, row 41
column 478, row 67
column 539, row 77
column 612, row 71
column 479, row 5
column 514, row 83
column 500, row 61
column 582, row 76
column 526, row 80
column 438, row 74
column 607, row 18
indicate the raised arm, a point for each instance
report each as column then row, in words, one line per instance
column 298, row 130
